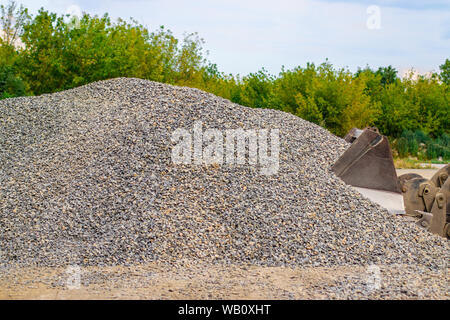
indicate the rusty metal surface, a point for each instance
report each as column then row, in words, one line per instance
column 441, row 176
column 405, row 177
column 425, row 219
column 438, row 220
column 418, row 195
column 368, row 163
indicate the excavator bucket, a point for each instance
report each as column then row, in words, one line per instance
column 406, row 177
column 368, row 162
column 437, row 220
column 419, row 193
column 354, row 133
column 441, row 176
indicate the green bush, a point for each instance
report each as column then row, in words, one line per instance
column 423, row 146
column 402, row 147
column 413, row 147
column 439, row 148
column 443, row 149
column 10, row 84
column 445, row 140
column 411, row 142
column 421, row 137
column 433, row 151
column 408, row 135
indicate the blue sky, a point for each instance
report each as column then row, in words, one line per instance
column 244, row 35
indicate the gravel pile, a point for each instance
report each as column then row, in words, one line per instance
column 86, row 178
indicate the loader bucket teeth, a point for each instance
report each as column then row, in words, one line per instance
column 441, row 176
column 438, row 220
column 418, row 195
column 425, row 219
column 368, row 163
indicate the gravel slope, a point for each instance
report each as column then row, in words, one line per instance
column 86, row 178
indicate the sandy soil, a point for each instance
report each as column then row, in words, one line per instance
column 426, row 173
column 154, row 281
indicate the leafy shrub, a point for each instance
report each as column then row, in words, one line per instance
column 421, row 137
column 413, row 147
column 402, row 147
column 10, row 84
column 421, row 145
column 445, row 140
column 433, row 150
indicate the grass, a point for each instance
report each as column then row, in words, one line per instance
column 438, row 161
column 409, row 163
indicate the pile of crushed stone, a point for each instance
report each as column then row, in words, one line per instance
column 87, row 177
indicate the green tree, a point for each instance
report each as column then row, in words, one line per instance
column 10, row 84
column 190, row 60
column 257, row 89
column 54, row 55
column 308, row 109
column 12, row 20
column 445, row 72
column 41, row 62
column 388, row 75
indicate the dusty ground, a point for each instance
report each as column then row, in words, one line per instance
column 154, row 281
column 426, row 173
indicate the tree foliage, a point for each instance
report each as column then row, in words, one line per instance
column 445, row 72
column 44, row 53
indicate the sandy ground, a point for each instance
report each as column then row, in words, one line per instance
column 426, row 173
column 153, row 281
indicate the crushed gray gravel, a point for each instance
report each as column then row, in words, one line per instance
column 86, row 178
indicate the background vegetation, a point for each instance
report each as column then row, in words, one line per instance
column 47, row 53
